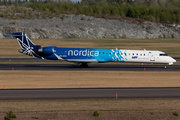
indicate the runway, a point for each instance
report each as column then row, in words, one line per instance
column 89, row 93
column 92, row 67
column 97, row 67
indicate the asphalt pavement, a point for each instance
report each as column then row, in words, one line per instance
column 86, row 93
column 92, row 67
column 89, row 93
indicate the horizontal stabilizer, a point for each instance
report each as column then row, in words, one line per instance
column 16, row 34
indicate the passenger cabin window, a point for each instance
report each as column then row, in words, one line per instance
column 144, row 54
column 124, row 53
column 121, row 53
column 133, row 54
column 137, row 54
column 163, row 55
column 61, row 51
column 140, row 54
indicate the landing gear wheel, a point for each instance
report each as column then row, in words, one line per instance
column 84, row 65
column 165, row 66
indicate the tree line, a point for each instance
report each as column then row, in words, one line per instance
column 153, row 10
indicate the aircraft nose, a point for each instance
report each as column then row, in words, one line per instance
column 174, row 60
column 171, row 60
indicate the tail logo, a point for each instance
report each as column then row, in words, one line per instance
column 26, row 45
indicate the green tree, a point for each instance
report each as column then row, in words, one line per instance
column 114, row 11
column 10, row 2
column 152, row 11
column 106, row 11
column 95, row 9
column 173, row 18
column 5, row 2
column 178, row 18
column 131, row 12
column 163, row 16
column 120, row 10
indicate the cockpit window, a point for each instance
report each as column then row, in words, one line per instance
column 163, row 55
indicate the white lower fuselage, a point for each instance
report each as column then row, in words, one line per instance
column 143, row 56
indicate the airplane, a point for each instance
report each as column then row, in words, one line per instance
column 90, row 55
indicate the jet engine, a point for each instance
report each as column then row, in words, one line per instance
column 46, row 50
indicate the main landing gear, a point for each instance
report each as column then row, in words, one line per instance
column 165, row 66
column 84, row 65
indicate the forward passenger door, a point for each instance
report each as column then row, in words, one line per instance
column 152, row 57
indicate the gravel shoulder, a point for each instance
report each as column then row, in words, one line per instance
column 103, row 115
column 83, row 109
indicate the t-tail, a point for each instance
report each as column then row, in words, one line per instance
column 27, row 46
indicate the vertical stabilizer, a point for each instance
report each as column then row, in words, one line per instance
column 27, row 46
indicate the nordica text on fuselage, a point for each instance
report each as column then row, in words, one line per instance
column 85, row 52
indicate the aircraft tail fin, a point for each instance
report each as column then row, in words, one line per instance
column 27, row 46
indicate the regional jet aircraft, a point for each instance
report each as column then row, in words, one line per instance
column 90, row 55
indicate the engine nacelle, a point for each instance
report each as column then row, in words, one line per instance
column 46, row 50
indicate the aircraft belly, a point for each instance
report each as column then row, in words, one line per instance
column 83, row 60
column 139, row 60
